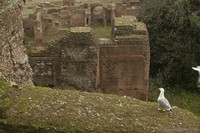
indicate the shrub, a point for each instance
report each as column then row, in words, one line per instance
column 174, row 29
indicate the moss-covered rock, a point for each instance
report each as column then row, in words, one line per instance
column 38, row 109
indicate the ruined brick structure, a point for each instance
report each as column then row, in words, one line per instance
column 124, row 66
column 13, row 60
column 77, row 59
column 69, row 62
column 49, row 18
column 81, row 61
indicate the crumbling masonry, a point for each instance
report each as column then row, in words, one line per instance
column 81, row 61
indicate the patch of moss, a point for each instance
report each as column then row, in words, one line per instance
column 47, row 16
column 5, row 102
column 13, row 127
column 102, row 31
column 26, row 11
column 49, row 37
column 29, row 40
column 125, row 21
column 65, row 26
column 80, row 29
column 4, row 84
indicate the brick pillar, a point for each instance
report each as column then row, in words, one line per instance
column 38, row 28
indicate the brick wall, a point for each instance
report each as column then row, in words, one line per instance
column 69, row 62
column 124, row 66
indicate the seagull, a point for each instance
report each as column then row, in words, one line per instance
column 163, row 102
column 197, row 69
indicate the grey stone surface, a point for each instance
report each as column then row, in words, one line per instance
column 13, row 60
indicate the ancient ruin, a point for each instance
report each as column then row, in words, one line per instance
column 13, row 60
column 53, row 19
column 77, row 59
column 69, row 62
column 123, row 67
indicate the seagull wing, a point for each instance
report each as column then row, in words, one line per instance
column 196, row 69
column 164, row 103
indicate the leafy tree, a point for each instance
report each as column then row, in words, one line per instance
column 174, row 31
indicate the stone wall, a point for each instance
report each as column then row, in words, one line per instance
column 99, row 14
column 13, row 60
column 69, row 62
column 120, row 9
column 124, row 67
column 78, row 64
column 46, row 63
column 28, row 25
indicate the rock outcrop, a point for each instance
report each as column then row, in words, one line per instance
column 13, row 60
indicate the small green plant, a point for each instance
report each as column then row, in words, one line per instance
column 27, row 11
column 102, row 31
column 49, row 37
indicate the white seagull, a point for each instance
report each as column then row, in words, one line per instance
column 163, row 102
column 197, row 69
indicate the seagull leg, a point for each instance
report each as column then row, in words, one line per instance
column 161, row 110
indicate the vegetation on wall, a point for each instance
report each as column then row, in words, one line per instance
column 174, row 29
column 27, row 11
column 102, row 31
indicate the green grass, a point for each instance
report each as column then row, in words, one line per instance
column 47, row 16
column 65, row 26
column 183, row 99
column 58, row 3
column 27, row 11
column 29, row 39
column 49, row 37
column 186, row 100
column 35, row 49
column 102, row 31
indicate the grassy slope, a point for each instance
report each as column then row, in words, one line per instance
column 64, row 110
